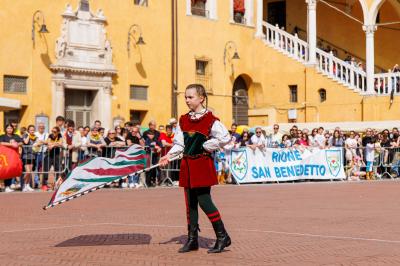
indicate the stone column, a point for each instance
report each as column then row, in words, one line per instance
column 370, row 57
column 58, row 100
column 312, row 31
column 259, row 32
column 105, row 107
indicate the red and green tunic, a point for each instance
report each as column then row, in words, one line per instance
column 197, row 167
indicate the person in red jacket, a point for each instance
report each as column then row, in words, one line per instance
column 199, row 133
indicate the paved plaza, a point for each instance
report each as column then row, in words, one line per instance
column 325, row 223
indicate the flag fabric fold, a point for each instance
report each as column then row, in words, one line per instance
column 95, row 173
column 10, row 163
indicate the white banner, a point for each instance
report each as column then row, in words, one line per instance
column 249, row 166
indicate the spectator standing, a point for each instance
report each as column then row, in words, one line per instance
column 28, row 158
column 152, row 128
column 351, row 146
column 319, row 138
column 174, row 124
column 73, row 141
column 113, row 142
column 370, row 157
column 336, row 140
column 153, row 148
column 234, row 134
column 53, row 157
column 257, row 140
column 119, row 133
column 11, row 140
column 134, row 137
column 41, row 149
column 244, row 139
column 167, row 139
column 60, row 123
column 276, row 137
column 95, row 143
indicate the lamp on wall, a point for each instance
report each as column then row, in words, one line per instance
column 229, row 46
column 133, row 30
column 36, row 19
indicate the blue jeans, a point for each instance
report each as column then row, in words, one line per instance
column 38, row 165
column 133, row 179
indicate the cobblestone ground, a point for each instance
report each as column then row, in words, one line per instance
column 287, row 224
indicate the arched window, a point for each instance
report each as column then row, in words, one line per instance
column 322, row 95
column 240, row 103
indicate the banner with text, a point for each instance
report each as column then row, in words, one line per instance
column 248, row 166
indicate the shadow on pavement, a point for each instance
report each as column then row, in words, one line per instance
column 106, row 240
column 203, row 241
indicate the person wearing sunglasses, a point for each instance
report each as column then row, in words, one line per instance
column 257, row 140
column 276, row 137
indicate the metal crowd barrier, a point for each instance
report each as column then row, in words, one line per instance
column 60, row 162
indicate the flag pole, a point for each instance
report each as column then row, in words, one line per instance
column 50, row 205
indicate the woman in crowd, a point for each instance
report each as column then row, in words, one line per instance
column 119, row 132
column 311, row 138
column 351, row 146
column 55, row 143
column 112, row 143
column 11, row 140
column 336, row 140
column 244, row 139
column 198, row 135
column 303, row 140
column 28, row 157
column 95, row 142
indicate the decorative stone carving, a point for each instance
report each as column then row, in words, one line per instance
column 369, row 29
column 107, row 89
column 83, row 45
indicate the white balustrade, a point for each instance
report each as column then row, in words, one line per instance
column 341, row 71
column 385, row 83
column 285, row 42
column 329, row 65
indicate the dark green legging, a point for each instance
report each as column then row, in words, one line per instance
column 200, row 196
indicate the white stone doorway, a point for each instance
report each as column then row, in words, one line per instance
column 79, row 106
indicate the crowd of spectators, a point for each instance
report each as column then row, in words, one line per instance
column 51, row 155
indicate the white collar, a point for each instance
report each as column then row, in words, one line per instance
column 197, row 115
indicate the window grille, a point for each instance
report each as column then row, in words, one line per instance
column 204, row 74
column 15, row 84
column 293, row 93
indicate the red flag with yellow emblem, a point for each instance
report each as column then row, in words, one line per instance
column 10, row 163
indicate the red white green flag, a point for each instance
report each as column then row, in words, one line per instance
column 99, row 171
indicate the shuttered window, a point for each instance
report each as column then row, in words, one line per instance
column 138, row 92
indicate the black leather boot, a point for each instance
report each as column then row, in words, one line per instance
column 223, row 239
column 192, row 242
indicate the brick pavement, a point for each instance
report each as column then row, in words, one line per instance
column 287, row 224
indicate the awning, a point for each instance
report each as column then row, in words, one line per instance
column 7, row 104
column 345, row 126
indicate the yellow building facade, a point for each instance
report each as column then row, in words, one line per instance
column 126, row 60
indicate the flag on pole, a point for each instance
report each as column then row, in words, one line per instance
column 97, row 172
column 10, row 163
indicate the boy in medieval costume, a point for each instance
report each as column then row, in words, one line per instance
column 198, row 134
